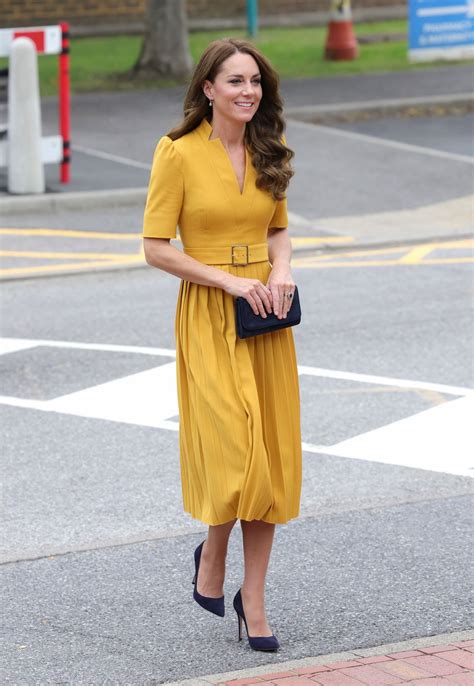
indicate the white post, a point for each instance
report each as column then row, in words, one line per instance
column 25, row 169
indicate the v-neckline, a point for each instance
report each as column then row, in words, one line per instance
column 220, row 144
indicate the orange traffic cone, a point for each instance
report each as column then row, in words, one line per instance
column 341, row 43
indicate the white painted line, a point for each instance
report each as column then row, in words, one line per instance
column 311, row 448
column 18, row 343
column 100, row 154
column 440, row 439
column 12, row 345
column 384, row 380
column 55, row 406
column 408, row 147
column 26, row 403
column 148, row 398
column 160, row 352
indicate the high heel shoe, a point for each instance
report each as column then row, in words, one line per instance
column 214, row 605
column 267, row 643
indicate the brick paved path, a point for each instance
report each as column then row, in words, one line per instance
column 441, row 665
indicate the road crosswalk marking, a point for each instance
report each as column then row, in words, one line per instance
column 438, row 439
column 434, row 439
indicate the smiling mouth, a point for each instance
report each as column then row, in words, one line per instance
column 244, row 104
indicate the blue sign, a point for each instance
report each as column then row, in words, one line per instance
column 441, row 29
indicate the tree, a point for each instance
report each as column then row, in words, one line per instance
column 165, row 47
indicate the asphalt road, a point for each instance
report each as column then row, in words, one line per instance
column 93, row 506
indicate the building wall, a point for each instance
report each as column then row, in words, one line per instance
column 94, row 12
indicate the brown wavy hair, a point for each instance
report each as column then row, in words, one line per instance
column 263, row 134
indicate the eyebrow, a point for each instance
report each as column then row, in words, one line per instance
column 242, row 76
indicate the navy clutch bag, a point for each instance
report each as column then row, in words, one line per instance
column 249, row 324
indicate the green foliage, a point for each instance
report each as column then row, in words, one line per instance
column 105, row 63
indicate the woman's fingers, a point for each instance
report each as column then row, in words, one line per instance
column 286, row 302
column 277, row 298
column 281, row 301
column 266, row 297
column 259, row 299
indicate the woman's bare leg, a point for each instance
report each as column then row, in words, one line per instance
column 258, row 541
column 212, row 566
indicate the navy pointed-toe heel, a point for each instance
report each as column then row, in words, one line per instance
column 267, row 643
column 214, row 605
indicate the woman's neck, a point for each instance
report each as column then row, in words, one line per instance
column 230, row 133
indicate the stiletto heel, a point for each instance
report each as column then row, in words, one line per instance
column 240, row 627
column 267, row 643
column 214, row 605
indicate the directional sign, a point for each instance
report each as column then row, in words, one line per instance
column 441, row 30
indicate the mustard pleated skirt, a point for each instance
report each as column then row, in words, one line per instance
column 239, row 404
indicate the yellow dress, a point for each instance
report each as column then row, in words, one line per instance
column 240, row 442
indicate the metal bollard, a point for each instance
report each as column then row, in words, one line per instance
column 25, row 168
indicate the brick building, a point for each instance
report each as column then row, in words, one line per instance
column 89, row 16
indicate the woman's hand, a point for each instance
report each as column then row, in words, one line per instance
column 282, row 287
column 254, row 291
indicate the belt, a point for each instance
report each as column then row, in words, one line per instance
column 238, row 255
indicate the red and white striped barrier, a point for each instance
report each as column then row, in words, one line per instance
column 49, row 40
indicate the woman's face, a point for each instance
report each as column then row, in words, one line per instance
column 236, row 91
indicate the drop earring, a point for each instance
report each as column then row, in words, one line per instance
column 210, row 103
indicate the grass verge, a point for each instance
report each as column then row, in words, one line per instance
column 104, row 63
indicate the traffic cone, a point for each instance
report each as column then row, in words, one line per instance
column 341, row 43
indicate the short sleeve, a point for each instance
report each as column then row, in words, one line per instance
column 165, row 192
column 280, row 216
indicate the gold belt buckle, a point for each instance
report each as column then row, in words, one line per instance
column 241, row 258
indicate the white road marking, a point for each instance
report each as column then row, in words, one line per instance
column 107, row 347
column 385, row 380
column 439, row 439
column 12, row 345
column 110, row 157
column 365, row 138
column 147, row 398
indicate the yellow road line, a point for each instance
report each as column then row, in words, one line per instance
column 462, row 243
column 317, row 240
column 133, row 259
column 67, row 255
column 69, row 233
column 352, row 253
column 396, row 255
column 380, row 263
column 328, row 265
column 415, row 255
column 114, row 236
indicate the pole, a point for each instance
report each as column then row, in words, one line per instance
column 252, row 17
column 25, row 168
column 65, row 104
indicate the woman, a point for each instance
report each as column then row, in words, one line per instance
column 221, row 175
